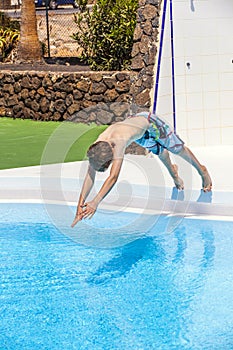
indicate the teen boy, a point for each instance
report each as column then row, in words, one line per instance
column 150, row 132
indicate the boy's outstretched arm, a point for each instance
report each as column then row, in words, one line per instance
column 89, row 208
column 87, row 186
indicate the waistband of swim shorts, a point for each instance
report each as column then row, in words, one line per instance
column 146, row 115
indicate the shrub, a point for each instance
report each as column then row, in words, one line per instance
column 6, row 22
column 9, row 36
column 8, row 40
column 105, row 33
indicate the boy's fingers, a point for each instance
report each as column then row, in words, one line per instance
column 88, row 214
column 91, row 215
column 76, row 220
column 74, row 223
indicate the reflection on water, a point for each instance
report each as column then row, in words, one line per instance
column 173, row 247
column 123, row 261
column 173, row 268
column 180, row 236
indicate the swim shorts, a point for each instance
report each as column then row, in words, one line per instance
column 159, row 135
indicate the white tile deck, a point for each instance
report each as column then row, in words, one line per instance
column 143, row 183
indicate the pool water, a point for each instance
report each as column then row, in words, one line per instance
column 160, row 291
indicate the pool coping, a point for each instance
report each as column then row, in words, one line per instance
column 69, row 176
column 204, row 215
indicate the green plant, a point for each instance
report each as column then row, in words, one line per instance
column 9, row 35
column 7, row 22
column 82, row 4
column 105, row 33
column 8, row 40
column 44, row 48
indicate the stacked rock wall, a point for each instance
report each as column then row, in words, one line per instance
column 45, row 95
column 60, row 96
column 144, row 51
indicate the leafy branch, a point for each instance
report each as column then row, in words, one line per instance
column 105, row 33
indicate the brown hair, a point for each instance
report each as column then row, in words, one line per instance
column 100, row 155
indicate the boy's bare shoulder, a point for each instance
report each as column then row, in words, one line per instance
column 119, row 147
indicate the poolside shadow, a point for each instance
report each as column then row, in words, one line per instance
column 177, row 194
column 192, row 5
column 205, row 197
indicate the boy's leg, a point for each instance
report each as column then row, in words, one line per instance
column 187, row 155
column 172, row 168
column 169, row 140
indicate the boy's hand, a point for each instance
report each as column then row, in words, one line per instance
column 86, row 210
column 89, row 209
column 78, row 216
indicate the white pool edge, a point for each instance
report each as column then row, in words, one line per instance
column 135, row 210
column 35, row 185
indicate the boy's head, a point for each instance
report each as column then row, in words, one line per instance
column 100, row 155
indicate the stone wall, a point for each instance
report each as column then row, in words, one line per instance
column 60, row 96
column 144, row 52
column 46, row 95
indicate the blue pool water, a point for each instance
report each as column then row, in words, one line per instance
column 161, row 290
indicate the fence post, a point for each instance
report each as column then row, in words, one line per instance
column 47, row 25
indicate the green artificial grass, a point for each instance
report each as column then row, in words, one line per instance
column 27, row 142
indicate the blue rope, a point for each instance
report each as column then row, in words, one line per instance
column 173, row 68
column 159, row 62
column 159, row 58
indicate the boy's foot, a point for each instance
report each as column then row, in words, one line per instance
column 179, row 183
column 206, row 179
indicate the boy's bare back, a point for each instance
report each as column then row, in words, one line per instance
column 125, row 132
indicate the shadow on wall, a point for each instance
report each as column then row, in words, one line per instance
column 192, row 5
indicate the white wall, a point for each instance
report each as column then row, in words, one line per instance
column 203, row 37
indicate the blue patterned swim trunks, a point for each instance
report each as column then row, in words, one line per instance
column 159, row 135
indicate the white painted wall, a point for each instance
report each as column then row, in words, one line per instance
column 203, row 37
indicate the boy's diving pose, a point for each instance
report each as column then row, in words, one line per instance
column 148, row 131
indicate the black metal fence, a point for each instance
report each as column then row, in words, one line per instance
column 55, row 30
column 55, row 27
